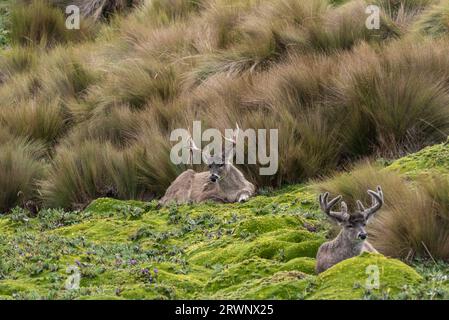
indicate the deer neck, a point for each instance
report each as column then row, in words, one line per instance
column 351, row 246
column 232, row 179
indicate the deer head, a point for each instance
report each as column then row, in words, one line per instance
column 220, row 164
column 353, row 224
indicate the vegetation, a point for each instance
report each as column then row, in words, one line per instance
column 262, row 249
column 125, row 81
column 87, row 114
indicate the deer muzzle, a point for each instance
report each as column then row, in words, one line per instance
column 214, row 177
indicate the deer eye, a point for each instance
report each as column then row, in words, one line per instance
column 350, row 226
column 221, row 165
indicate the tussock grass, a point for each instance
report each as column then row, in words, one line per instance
column 136, row 83
column 65, row 75
column 20, row 171
column 344, row 27
column 35, row 120
column 40, row 24
column 155, row 170
column 399, row 105
column 93, row 170
column 16, row 60
column 434, row 22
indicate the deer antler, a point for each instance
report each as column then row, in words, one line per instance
column 234, row 136
column 192, row 147
column 326, row 206
column 229, row 153
column 377, row 200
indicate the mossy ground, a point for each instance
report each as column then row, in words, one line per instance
column 262, row 249
column 431, row 159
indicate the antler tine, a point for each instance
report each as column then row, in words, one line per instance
column 192, row 147
column 192, row 144
column 237, row 129
column 360, row 206
column 327, row 206
column 377, row 202
column 234, row 136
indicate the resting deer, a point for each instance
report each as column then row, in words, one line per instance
column 222, row 183
column 351, row 241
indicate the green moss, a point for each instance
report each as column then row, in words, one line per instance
column 262, row 249
column 433, row 158
column 285, row 285
column 303, row 264
column 12, row 287
column 348, row 279
column 242, row 271
column 110, row 206
column 265, row 224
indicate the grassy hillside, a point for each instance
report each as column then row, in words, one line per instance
column 263, row 249
column 85, row 121
column 133, row 72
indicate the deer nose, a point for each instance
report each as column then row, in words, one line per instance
column 363, row 236
column 214, row 177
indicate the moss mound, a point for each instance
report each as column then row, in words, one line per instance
column 351, row 279
column 433, row 158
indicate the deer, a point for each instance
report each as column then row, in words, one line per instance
column 351, row 241
column 222, row 183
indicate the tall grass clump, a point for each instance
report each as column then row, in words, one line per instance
column 19, row 87
column 434, row 22
column 40, row 24
column 65, row 75
column 137, row 82
column 119, row 126
column 85, row 172
column 414, row 222
column 21, row 168
column 398, row 100
column 344, row 27
column 16, row 60
column 296, row 93
column 254, row 37
column 151, row 153
column 407, row 5
column 98, row 9
column 35, row 120
column 164, row 12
